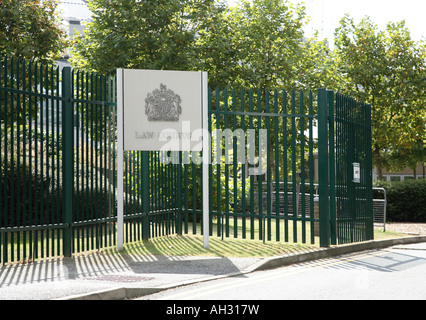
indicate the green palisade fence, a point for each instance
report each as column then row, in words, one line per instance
column 279, row 201
column 31, row 218
column 58, row 167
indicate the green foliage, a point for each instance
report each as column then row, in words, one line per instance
column 406, row 200
column 231, row 188
column 388, row 70
column 51, row 143
column 30, row 197
column 25, row 195
column 31, row 29
column 262, row 41
column 29, row 77
column 140, row 34
column 261, row 44
column 95, row 203
column 255, row 44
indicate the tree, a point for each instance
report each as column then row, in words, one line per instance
column 143, row 34
column 386, row 69
column 31, row 29
column 408, row 157
column 256, row 44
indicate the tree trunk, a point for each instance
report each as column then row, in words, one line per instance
column 378, row 161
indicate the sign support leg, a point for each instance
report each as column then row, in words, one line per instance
column 120, row 151
column 206, row 162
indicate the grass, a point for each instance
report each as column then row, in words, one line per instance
column 192, row 245
column 379, row 234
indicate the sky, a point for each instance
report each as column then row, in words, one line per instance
column 326, row 14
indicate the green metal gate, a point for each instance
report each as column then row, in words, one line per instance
column 58, row 167
column 306, row 192
column 276, row 201
column 353, row 176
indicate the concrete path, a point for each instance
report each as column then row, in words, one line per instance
column 115, row 277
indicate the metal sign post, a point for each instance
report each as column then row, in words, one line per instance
column 120, row 162
column 206, row 161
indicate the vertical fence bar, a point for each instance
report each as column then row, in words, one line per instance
column 145, row 195
column 179, row 195
column 302, row 166
column 350, row 160
column 324, row 214
column 55, row 147
column 226, row 121
column 331, row 149
column 277, row 168
column 5, row 211
column 26, row 189
column 252, row 186
column 260, row 176
column 18, row 161
column 12, row 163
column 311, row 170
column 267, row 230
column 243, row 169
column 30, row 168
column 67, row 160
column 44, row 162
column 285, row 167
column 2, row 155
column 345, row 163
column 36, row 169
column 234, row 162
column 337, row 163
column 293, row 165
column 41, row 150
column 368, row 172
column 78, row 160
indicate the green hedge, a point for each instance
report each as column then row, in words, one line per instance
column 25, row 196
column 406, row 200
column 28, row 197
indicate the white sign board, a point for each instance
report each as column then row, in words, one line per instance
column 163, row 110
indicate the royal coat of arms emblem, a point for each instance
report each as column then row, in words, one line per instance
column 163, row 105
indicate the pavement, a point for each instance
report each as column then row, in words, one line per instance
column 101, row 276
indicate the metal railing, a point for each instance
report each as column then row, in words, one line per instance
column 58, row 167
column 379, row 207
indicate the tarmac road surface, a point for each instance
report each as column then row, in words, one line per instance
column 395, row 273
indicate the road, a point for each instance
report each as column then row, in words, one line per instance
column 397, row 273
